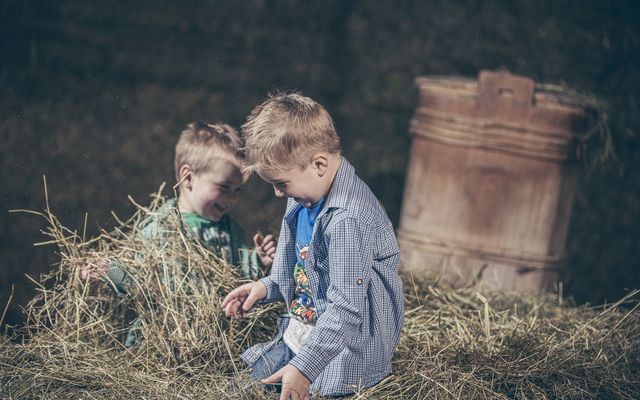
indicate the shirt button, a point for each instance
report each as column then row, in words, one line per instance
column 359, row 281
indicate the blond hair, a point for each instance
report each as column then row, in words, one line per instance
column 286, row 130
column 200, row 143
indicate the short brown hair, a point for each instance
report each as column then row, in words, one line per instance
column 286, row 130
column 202, row 142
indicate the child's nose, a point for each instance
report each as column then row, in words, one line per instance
column 278, row 192
column 229, row 199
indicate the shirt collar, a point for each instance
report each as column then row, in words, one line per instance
column 341, row 187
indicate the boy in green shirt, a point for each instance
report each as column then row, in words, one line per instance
column 209, row 169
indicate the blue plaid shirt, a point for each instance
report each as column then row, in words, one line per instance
column 352, row 266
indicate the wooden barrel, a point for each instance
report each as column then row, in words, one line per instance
column 490, row 181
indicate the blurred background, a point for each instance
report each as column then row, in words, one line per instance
column 94, row 94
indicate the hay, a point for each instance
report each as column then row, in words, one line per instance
column 456, row 343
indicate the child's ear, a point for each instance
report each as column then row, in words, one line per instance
column 186, row 176
column 320, row 163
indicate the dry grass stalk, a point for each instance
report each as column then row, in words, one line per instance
column 456, row 343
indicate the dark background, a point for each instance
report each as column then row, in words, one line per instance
column 94, row 94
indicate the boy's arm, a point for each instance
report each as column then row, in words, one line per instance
column 279, row 269
column 116, row 275
column 107, row 270
column 350, row 260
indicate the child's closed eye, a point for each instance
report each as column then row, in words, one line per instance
column 224, row 188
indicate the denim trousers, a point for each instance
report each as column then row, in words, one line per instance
column 270, row 362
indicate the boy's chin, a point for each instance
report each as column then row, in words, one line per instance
column 214, row 217
column 304, row 203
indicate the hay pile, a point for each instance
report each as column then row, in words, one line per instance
column 456, row 343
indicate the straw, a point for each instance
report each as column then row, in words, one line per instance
column 457, row 343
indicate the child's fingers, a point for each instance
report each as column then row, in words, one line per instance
column 250, row 301
column 270, row 254
column 235, row 293
column 275, row 378
column 233, row 303
column 227, row 299
column 258, row 292
column 258, row 239
column 227, row 311
column 233, row 309
column 268, row 238
column 290, row 394
column 227, row 308
column 268, row 246
column 236, row 310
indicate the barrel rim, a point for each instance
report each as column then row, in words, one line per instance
column 544, row 93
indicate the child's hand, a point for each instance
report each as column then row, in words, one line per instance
column 295, row 386
column 94, row 269
column 242, row 298
column 266, row 248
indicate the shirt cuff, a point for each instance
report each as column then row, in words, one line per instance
column 273, row 294
column 308, row 365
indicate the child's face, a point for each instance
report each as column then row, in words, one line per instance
column 213, row 193
column 306, row 186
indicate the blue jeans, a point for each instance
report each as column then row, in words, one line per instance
column 270, row 362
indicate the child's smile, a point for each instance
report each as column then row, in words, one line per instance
column 212, row 193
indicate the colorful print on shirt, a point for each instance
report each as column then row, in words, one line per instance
column 302, row 306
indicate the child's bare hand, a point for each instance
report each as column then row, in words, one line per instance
column 242, row 298
column 266, row 248
column 295, row 385
column 94, row 269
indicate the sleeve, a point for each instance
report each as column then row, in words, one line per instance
column 116, row 274
column 249, row 263
column 284, row 256
column 244, row 257
column 350, row 260
column 273, row 292
column 118, row 278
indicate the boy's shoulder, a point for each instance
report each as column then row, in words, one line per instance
column 150, row 224
column 354, row 214
column 350, row 196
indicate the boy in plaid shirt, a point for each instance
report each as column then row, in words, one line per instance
column 336, row 265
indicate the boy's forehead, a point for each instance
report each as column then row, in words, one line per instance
column 224, row 163
column 275, row 175
column 225, row 169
